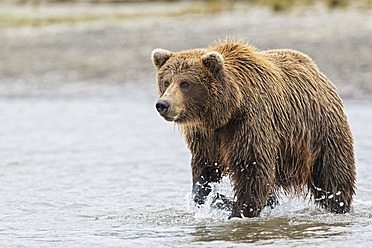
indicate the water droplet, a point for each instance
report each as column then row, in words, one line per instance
column 338, row 193
column 341, row 204
column 254, row 163
column 330, row 196
column 318, row 189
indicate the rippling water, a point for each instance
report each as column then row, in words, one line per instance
column 109, row 172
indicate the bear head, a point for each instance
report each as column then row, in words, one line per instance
column 189, row 85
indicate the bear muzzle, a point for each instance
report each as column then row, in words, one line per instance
column 162, row 107
column 165, row 110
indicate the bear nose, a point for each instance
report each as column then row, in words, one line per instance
column 162, row 106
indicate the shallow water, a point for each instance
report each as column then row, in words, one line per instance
column 107, row 171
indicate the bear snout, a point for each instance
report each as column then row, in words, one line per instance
column 162, row 107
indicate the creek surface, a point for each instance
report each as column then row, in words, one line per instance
column 105, row 170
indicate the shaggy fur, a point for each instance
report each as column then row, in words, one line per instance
column 269, row 119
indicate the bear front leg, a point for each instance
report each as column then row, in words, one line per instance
column 203, row 173
column 253, row 181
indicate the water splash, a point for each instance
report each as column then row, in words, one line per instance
column 213, row 208
column 289, row 206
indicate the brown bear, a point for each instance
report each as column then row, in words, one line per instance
column 269, row 119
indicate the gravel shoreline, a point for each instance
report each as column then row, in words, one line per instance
column 84, row 58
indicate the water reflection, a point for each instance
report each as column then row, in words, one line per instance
column 268, row 230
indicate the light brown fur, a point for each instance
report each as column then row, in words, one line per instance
column 270, row 119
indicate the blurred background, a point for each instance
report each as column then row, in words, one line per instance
column 50, row 45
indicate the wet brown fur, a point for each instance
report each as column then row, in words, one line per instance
column 270, row 119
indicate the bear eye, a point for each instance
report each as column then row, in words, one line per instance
column 166, row 84
column 184, row 84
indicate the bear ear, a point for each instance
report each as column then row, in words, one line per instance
column 160, row 56
column 213, row 61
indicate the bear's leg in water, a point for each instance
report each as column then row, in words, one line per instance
column 204, row 172
column 333, row 174
column 253, row 185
